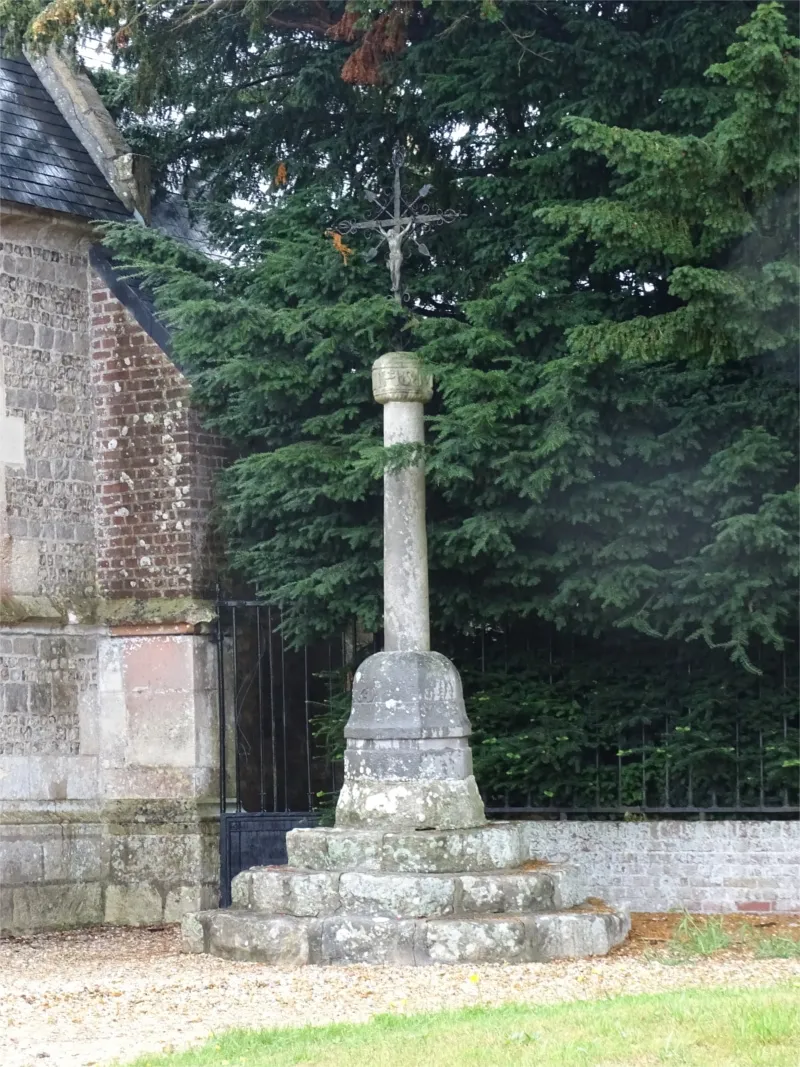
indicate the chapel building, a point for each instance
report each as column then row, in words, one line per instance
column 108, row 750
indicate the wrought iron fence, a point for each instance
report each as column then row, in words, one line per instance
column 575, row 727
column 671, row 768
column 269, row 696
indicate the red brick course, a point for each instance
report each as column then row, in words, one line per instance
column 154, row 464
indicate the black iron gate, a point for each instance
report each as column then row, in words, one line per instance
column 274, row 775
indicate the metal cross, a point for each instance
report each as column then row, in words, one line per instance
column 397, row 221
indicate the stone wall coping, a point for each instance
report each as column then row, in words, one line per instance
column 157, row 629
column 150, row 815
column 139, row 615
column 76, row 98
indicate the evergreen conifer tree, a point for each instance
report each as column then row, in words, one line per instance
column 611, row 324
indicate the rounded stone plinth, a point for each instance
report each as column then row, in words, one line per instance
column 494, row 846
column 407, row 696
column 408, row 763
column 353, row 938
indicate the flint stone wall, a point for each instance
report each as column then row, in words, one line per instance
column 48, row 540
column 710, row 866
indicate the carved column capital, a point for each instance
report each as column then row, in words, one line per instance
column 397, row 377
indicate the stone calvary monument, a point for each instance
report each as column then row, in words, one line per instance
column 411, row 873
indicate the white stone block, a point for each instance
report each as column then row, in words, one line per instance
column 182, row 901
column 133, row 905
column 15, row 778
column 82, row 777
column 160, row 729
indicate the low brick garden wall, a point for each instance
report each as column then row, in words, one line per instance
column 709, row 866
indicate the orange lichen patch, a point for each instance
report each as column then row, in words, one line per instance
column 155, row 629
column 593, row 905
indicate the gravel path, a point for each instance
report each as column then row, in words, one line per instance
column 90, row 997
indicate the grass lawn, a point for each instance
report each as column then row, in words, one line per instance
column 695, row 1028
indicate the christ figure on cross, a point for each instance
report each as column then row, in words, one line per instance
column 393, row 226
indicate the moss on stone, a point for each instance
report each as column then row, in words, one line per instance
column 118, row 815
column 25, row 608
column 15, row 608
column 154, row 610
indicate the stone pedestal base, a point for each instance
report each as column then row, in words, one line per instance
column 408, row 765
column 443, row 803
column 414, row 898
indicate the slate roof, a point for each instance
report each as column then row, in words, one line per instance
column 42, row 162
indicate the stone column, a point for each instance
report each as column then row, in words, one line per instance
column 408, row 764
column 398, row 384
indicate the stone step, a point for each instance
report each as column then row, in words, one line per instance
column 495, row 846
column 240, row 934
column 315, row 894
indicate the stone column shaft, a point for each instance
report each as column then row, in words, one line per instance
column 402, row 389
column 405, row 543
column 408, row 764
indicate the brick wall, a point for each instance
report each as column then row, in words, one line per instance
column 710, row 866
column 155, row 466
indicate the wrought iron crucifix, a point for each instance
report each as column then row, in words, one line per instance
column 397, row 220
